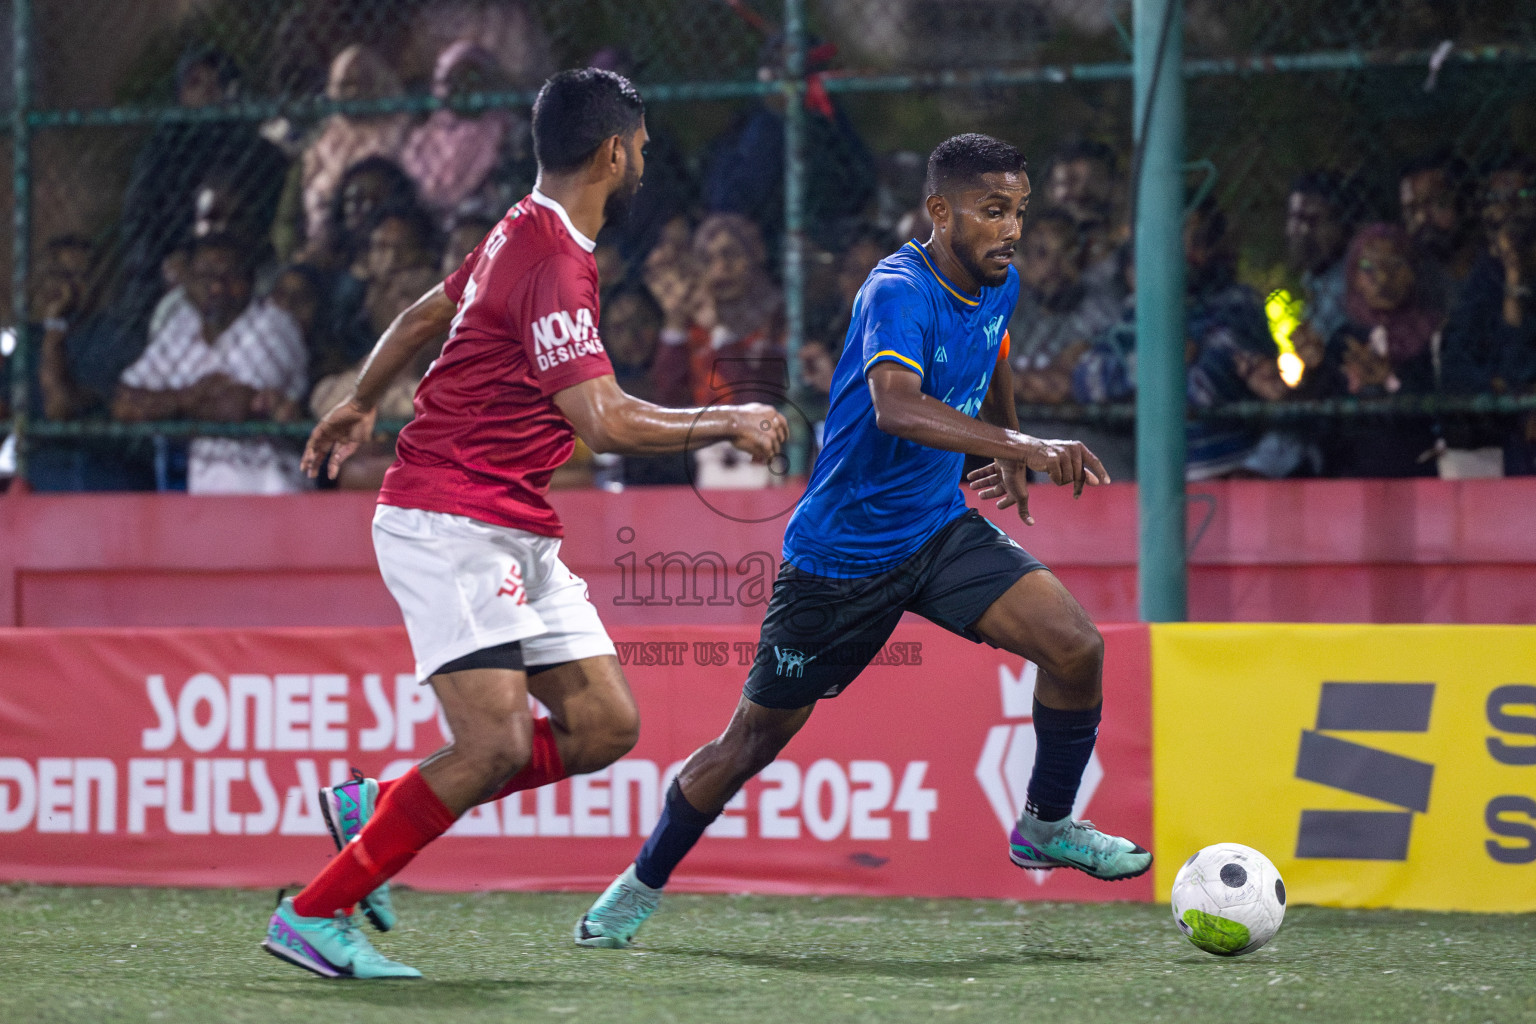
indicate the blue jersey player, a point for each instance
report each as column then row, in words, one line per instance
column 882, row 529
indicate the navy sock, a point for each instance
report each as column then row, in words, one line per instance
column 1063, row 745
column 680, row 827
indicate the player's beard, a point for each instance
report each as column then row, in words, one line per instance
column 621, row 200
column 971, row 256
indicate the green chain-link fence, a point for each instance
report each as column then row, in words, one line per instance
column 133, row 129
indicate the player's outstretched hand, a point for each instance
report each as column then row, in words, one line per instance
column 760, row 431
column 1008, row 482
column 1063, row 461
column 336, row 437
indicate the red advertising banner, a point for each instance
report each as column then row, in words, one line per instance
column 191, row 757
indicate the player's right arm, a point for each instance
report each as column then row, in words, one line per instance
column 350, row 423
column 609, row 420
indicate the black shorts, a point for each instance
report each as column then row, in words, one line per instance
column 820, row 632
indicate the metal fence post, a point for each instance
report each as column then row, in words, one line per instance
column 1160, row 396
column 794, row 213
column 21, row 225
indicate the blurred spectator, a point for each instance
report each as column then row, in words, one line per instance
column 746, row 165
column 504, row 27
column 303, row 292
column 1083, row 183
column 1058, row 318
column 77, row 354
column 345, row 140
column 631, row 326
column 179, row 156
column 1231, row 358
column 454, row 156
column 399, row 264
column 1384, row 348
column 1434, row 193
column 723, row 317
column 79, row 357
column 1490, row 347
column 670, row 185
column 1320, row 215
column 221, row 204
column 827, row 328
column 367, row 187
column 865, row 249
column 1107, row 371
column 224, row 358
column 723, row 332
column 612, row 270
column 899, row 200
column 1510, row 191
column 466, row 232
column 1058, row 315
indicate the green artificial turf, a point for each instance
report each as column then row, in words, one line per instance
column 98, row 955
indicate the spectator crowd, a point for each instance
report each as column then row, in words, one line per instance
column 253, row 269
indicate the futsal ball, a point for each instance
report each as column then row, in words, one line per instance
column 1228, row 899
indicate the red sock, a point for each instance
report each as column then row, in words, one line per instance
column 544, row 765
column 411, row 818
column 385, row 785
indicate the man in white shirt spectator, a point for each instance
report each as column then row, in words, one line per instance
column 222, row 357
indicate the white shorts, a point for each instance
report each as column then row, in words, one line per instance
column 463, row 585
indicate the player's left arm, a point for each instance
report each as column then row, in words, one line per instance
column 1004, row 479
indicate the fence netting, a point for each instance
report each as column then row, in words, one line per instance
column 229, row 200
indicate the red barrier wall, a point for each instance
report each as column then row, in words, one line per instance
column 190, row 757
column 1315, row 551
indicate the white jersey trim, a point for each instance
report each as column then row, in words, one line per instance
column 565, row 218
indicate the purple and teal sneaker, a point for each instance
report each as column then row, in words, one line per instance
column 618, row 913
column 332, row 947
column 346, row 809
column 1042, row 845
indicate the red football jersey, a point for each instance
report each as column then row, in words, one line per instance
column 487, row 435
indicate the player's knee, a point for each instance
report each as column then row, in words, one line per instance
column 757, row 749
column 1082, row 658
column 497, row 755
column 616, row 736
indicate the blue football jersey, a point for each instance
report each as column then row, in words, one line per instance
column 874, row 498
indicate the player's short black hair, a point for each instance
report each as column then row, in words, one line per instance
column 1342, row 194
column 576, row 110
column 959, row 161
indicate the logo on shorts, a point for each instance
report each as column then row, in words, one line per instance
column 512, row 586
column 791, row 662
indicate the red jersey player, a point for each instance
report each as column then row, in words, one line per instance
column 466, row 541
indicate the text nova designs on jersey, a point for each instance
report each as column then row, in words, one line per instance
column 560, row 337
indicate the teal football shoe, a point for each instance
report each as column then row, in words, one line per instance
column 346, row 809
column 332, row 947
column 618, row 913
column 1042, row 845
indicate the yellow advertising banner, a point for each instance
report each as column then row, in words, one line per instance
column 1377, row 766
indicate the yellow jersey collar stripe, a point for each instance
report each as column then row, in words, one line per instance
column 940, row 277
column 887, row 353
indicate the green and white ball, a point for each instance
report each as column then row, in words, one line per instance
column 1228, row 899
